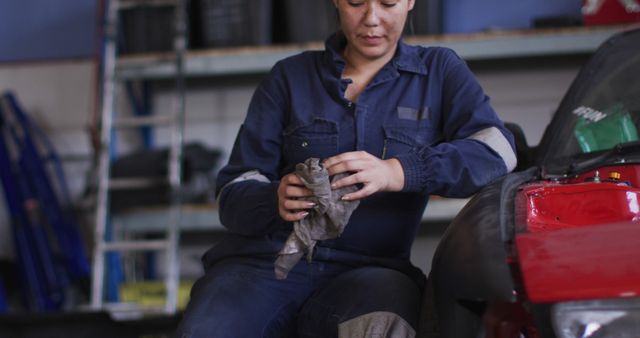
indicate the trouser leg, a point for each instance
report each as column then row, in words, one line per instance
column 241, row 298
column 365, row 302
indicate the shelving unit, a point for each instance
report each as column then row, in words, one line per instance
column 478, row 46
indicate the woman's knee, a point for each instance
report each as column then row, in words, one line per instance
column 365, row 300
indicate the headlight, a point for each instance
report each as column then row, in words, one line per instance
column 617, row 318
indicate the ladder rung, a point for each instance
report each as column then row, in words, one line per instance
column 142, row 121
column 136, row 245
column 136, row 183
column 126, row 4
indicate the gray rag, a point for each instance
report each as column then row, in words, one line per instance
column 326, row 220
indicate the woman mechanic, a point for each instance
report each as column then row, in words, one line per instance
column 404, row 122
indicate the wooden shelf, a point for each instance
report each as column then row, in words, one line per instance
column 477, row 46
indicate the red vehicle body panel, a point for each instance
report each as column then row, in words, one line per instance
column 579, row 238
column 552, row 206
column 591, row 262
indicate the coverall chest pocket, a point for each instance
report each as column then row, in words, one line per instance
column 400, row 138
column 317, row 138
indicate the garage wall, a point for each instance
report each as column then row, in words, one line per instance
column 45, row 29
column 528, row 96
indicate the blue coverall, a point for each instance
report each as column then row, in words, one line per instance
column 424, row 108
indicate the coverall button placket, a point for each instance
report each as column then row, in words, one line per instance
column 360, row 115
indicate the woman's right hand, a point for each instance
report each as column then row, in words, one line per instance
column 290, row 207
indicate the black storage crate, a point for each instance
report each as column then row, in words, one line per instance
column 147, row 29
column 198, row 165
column 309, row 20
column 425, row 18
column 235, row 22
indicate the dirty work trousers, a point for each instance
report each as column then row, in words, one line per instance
column 240, row 297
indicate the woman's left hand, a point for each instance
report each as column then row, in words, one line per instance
column 375, row 174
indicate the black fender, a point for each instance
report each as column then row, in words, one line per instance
column 470, row 264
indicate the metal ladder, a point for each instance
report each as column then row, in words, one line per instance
column 110, row 122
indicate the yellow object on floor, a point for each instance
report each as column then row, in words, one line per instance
column 152, row 293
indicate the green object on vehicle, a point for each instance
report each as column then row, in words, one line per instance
column 617, row 127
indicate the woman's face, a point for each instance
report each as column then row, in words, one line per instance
column 373, row 27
